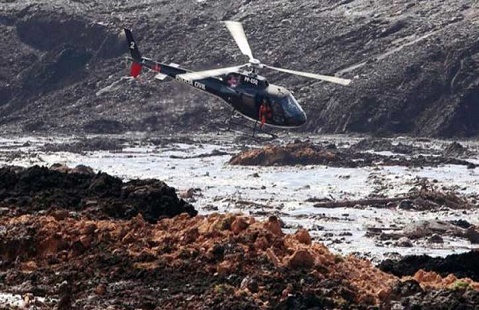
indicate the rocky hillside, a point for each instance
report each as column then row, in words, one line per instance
column 414, row 65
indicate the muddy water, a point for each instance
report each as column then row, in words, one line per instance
column 198, row 168
column 75, row 226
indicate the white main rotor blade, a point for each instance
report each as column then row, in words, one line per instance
column 327, row 78
column 237, row 31
column 198, row 75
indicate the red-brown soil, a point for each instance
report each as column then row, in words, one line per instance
column 221, row 261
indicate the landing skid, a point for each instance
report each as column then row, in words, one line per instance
column 238, row 120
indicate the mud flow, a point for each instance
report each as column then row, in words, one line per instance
column 78, row 238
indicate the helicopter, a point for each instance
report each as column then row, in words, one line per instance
column 247, row 92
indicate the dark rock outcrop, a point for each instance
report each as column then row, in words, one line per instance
column 79, row 190
column 461, row 265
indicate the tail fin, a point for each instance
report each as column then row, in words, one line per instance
column 135, row 54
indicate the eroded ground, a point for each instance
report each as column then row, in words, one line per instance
column 68, row 260
column 81, row 253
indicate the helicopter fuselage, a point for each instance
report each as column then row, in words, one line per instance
column 248, row 93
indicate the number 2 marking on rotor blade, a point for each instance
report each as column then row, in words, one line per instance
column 132, row 45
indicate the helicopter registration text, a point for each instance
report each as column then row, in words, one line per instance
column 192, row 83
column 251, row 80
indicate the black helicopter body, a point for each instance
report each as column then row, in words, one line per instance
column 245, row 91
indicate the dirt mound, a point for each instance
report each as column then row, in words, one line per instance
column 461, row 265
column 61, row 239
column 299, row 153
column 455, row 149
column 307, row 153
column 80, row 191
column 217, row 262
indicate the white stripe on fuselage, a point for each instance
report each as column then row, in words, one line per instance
column 191, row 82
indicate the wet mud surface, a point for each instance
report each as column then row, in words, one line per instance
column 58, row 244
column 75, row 238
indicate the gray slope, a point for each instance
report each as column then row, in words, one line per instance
column 414, row 65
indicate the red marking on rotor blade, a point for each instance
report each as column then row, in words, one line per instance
column 156, row 68
column 135, row 69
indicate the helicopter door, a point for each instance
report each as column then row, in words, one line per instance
column 249, row 105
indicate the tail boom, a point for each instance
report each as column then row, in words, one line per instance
column 138, row 62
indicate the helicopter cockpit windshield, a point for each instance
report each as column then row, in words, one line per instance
column 293, row 113
column 290, row 106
